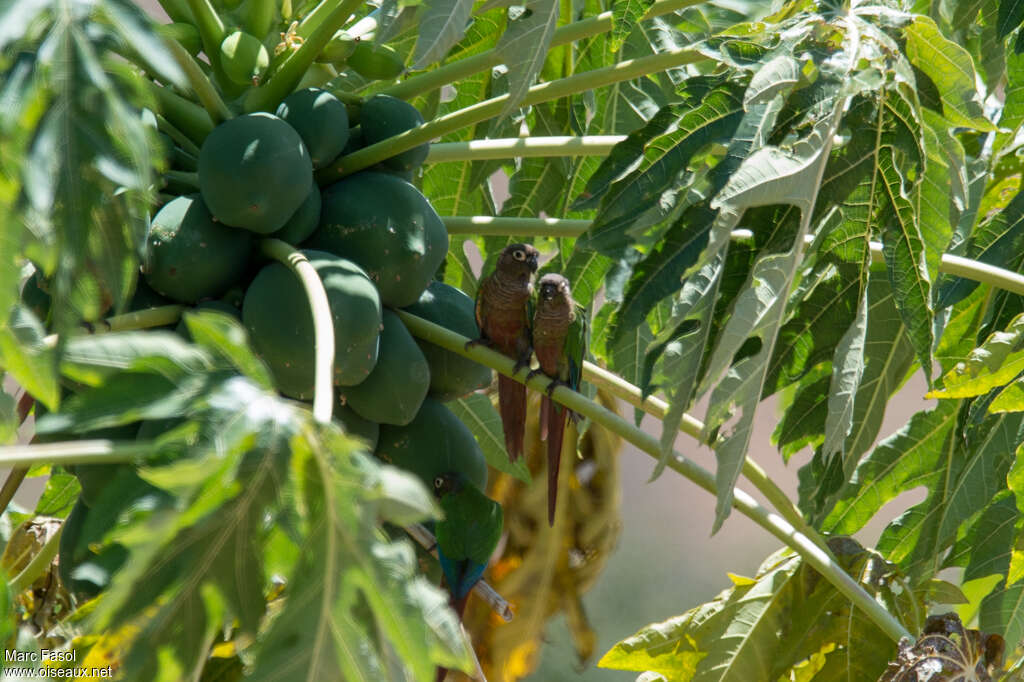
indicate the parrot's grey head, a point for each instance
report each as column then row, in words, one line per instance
column 520, row 259
column 446, row 483
column 553, row 286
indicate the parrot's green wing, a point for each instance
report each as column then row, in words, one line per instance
column 576, row 347
column 471, row 527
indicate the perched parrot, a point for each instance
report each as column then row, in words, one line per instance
column 503, row 304
column 466, row 537
column 560, row 342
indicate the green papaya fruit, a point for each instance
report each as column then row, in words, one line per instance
column 376, row 62
column 276, row 312
column 189, row 256
column 435, row 442
column 386, row 226
column 254, row 172
column 357, row 427
column 356, row 141
column 244, row 58
column 338, row 49
column 451, row 375
column 384, row 116
column 320, row 119
column 394, row 390
column 304, row 221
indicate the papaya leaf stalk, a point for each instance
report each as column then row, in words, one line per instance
column 491, row 108
column 323, row 325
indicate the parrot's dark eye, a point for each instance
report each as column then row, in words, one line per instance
column 519, row 254
column 438, row 483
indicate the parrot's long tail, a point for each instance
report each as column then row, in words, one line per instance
column 512, row 406
column 555, row 416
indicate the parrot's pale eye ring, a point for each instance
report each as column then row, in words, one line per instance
column 519, row 254
column 438, row 482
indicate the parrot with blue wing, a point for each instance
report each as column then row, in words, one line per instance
column 466, row 537
column 559, row 333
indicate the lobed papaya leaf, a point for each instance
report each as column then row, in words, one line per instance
column 995, row 363
column 524, row 45
column 442, row 23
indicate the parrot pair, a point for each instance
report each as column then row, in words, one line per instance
column 555, row 328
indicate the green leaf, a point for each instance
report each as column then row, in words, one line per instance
column 951, row 69
column 769, row 176
column 971, row 475
column 625, row 16
column 477, row 412
column 994, row 363
column 778, row 75
column 524, row 45
column 998, row 240
column 26, row 357
column 1011, row 13
column 695, row 301
column 442, row 23
column 762, row 626
column 86, row 173
column 225, row 338
column 847, row 372
column 1010, row 399
column 905, row 259
column 92, row 360
column 915, row 455
column 59, row 495
column 711, row 115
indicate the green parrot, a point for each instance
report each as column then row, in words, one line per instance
column 503, row 314
column 466, row 537
column 560, row 342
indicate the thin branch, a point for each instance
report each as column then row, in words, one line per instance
column 483, row 590
column 565, row 227
column 523, row 147
column 570, row 33
column 187, row 116
column 323, row 324
column 481, row 111
column 817, row 557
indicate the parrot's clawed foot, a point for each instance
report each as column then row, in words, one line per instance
column 533, row 373
column 521, row 364
column 555, row 383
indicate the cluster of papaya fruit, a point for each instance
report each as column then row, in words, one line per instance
column 377, row 245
